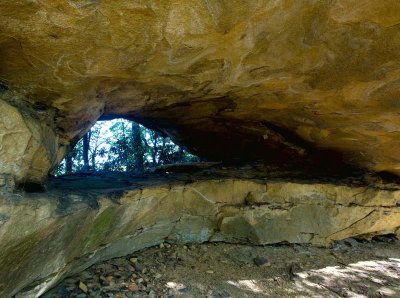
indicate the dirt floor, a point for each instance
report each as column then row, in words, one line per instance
column 351, row 268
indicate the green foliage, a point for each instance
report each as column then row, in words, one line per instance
column 122, row 145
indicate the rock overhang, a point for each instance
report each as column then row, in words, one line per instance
column 276, row 80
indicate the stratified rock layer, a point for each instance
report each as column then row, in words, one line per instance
column 45, row 237
column 282, row 80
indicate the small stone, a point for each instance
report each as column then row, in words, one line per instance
column 162, row 245
column 138, row 267
column 132, row 287
column 133, row 260
column 152, row 294
column 83, row 287
column 185, row 247
column 210, row 271
column 139, row 280
column 261, row 261
column 158, row 276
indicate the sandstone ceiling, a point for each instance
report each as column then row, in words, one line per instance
column 283, row 80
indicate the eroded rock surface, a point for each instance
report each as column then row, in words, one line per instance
column 280, row 80
column 28, row 144
column 45, row 237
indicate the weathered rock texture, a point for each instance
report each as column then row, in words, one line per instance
column 28, row 144
column 45, row 237
column 283, row 80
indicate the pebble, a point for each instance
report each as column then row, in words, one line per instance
column 210, row 272
column 138, row 267
column 83, row 287
column 133, row 287
column 133, row 260
column 261, row 261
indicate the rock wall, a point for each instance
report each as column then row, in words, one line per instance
column 284, row 80
column 29, row 145
column 46, row 237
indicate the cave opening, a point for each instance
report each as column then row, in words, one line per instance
column 122, row 145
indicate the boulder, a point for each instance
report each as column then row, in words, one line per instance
column 28, row 146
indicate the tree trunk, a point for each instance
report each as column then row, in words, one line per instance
column 162, row 152
column 155, row 149
column 68, row 164
column 181, row 154
column 85, row 152
column 138, row 148
column 93, row 158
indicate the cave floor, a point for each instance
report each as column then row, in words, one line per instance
column 350, row 268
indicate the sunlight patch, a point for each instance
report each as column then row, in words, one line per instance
column 246, row 285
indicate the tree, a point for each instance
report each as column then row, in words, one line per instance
column 68, row 164
column 96, row 145
column 72, row 161
column 138, row 148
column 122, row 146
column 85, row 151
